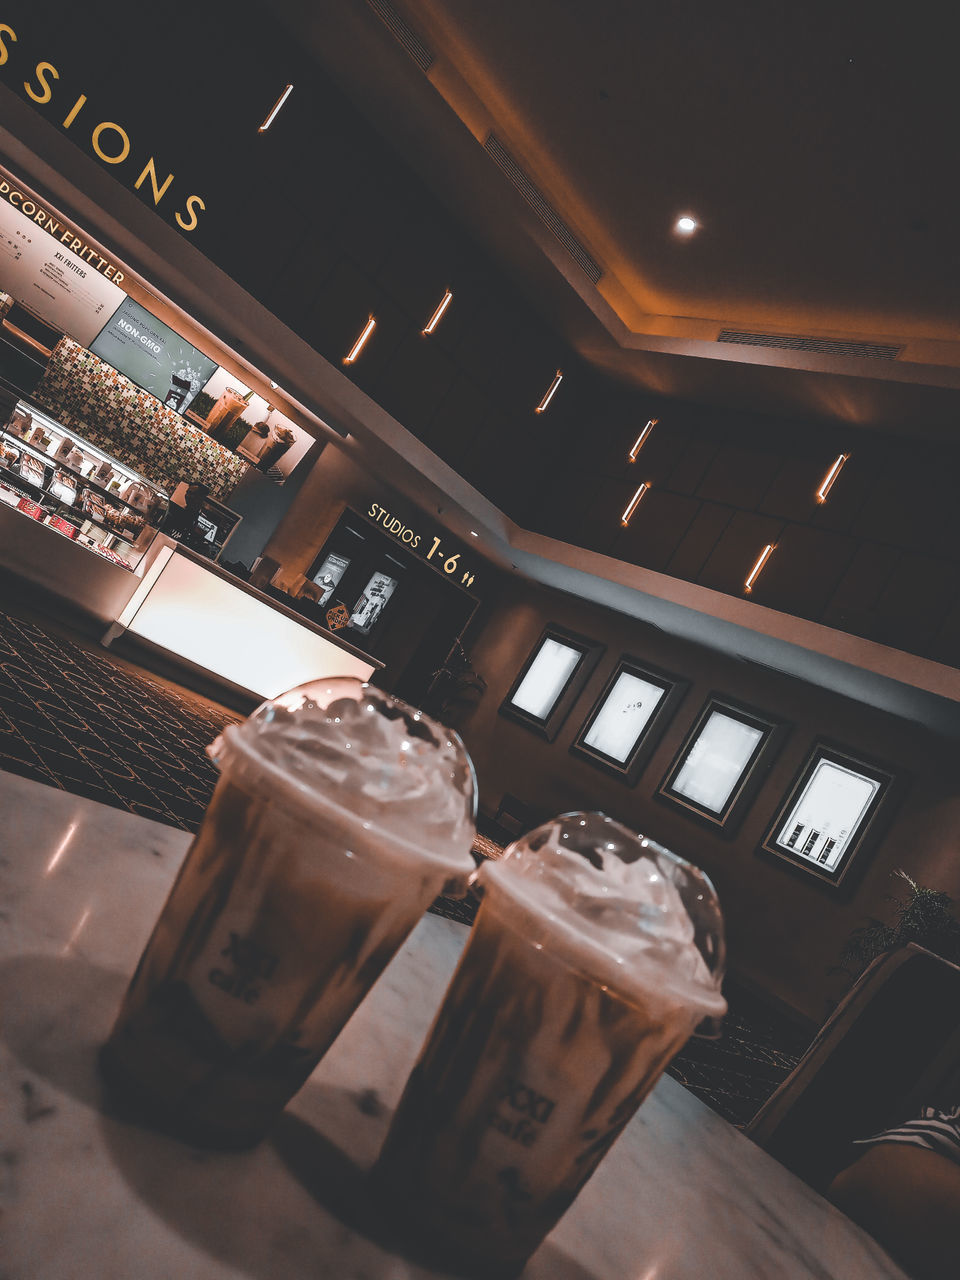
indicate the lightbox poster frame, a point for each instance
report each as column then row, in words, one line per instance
column 800, row 801
column 725, row 816
column 649, row 727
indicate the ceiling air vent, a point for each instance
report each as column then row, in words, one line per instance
column 542, row 207
column 826, row 346
column 405, row 35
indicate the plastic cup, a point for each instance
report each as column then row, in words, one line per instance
column 594, row 955
column 228, row 408
column 339, row 816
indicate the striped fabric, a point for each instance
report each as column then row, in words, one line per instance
column 938, row 1131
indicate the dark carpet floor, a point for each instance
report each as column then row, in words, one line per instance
column 80, row 722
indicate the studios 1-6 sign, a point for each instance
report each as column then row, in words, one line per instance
column 429, row 546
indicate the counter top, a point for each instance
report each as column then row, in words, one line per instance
column 335, row 637
column 681, row 1196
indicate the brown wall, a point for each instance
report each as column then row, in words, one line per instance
column 334, row 483
column 434, row 610
column 785, row 930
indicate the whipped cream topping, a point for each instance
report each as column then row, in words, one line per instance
column 383, row 765
column 635, row 913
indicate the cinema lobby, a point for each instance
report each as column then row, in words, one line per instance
column 490, row 470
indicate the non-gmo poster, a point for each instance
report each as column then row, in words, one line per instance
column 153, row 356
column 40, row 272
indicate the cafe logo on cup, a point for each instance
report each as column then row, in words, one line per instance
column 247, row 964
column 521, row 1111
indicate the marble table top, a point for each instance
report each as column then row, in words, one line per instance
column 681, row 1196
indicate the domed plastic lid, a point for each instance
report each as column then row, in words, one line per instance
column 620, row 906
column 345, row 751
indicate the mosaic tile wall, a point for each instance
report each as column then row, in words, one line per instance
column 93, row 399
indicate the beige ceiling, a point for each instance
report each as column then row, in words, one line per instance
column 813, row 142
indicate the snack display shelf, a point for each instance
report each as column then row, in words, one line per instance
column 61, row 528
column 83, row 478
column 70, row 494
column 91, row 577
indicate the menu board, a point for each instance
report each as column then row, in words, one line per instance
column 37, row 270
column 220, row 411
column 153, row 356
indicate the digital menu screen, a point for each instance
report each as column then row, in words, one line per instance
column 153, row 356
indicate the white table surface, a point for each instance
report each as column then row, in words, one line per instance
column 682, row 1195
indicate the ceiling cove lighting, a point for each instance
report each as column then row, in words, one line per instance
column 438, row 314
column 762, row 559
column 831, row 475
column 638, row 443
column 276, row 107
column 551, row 391
column 361, row 342
column 633, row 504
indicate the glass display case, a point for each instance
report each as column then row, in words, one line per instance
column 51, row 474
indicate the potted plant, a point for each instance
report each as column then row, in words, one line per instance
column 920, row 914
column 455, row 689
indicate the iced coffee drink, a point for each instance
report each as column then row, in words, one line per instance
column 228, row 408
column 340, row 814
column 594, row 956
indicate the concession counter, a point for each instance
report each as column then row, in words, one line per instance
column 202, row 617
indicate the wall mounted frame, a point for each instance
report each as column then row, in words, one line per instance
column 551, row 680
column 722, row 762
column 628, row 719
column 834, row 810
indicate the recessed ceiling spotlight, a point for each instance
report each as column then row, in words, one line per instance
column 686, row 225
column 474, row 534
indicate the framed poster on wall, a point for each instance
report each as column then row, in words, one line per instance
column 372, row 602
column 722, row 762
column 328, row 576
column 551, row 679
column 628, row 719
column 830, row 813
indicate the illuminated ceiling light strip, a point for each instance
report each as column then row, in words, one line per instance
column 360, row 343
column 551, row 392
column 633, row 504
column 638, row 443
column 438, row 314
column 762, row 559
column 830, row 477
column 276, row 107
